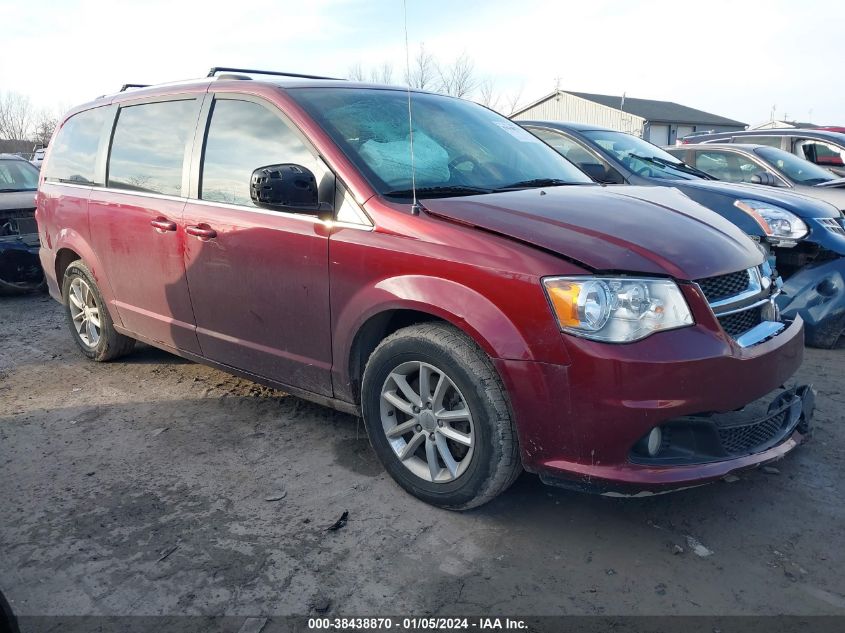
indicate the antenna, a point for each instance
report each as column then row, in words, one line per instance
column 415, row 207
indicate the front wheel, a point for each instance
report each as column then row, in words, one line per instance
column 89, row 320
column 437, row 417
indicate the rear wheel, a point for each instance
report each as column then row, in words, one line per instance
column 437, row 417
column 88, row 318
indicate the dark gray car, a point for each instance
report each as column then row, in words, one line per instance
column 20, row 269
column 764, row 165
column 825, row 148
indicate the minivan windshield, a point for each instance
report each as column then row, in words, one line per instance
column 800, row 171
column 17, row 175
column 459, row 147
column 641, row 157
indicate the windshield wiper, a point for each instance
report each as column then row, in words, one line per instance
column 438, row 192
column 15, row 190
column 537, row 182
column 683, row 167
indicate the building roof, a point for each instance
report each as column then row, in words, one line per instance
column 649, row 109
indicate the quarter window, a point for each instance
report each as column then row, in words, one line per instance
column 242, row 137
column 148, row 149
column 74, row 153
column 771, row 141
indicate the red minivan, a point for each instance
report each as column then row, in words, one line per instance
column 425, row 263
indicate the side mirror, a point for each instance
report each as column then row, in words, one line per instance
column 764, row 178
column 286, row 187
column 601, row 173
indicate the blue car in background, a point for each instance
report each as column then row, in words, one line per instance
column 20, row 268
column 804, row 237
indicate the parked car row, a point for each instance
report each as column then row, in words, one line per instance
column 824, row 147
column 480, row 301
column 804, row 236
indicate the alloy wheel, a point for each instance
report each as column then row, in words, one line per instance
column 84, row 312
column 427, row 422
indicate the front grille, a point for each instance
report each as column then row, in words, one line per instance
column 745, row 439
column 833, row 225
column 725, row 286
column 739, row 323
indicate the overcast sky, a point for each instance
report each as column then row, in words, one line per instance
column 737, row 59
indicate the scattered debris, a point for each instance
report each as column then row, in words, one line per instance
column 340, row 522
column 167, row 553
column 321, row 604
column 159, row 431
column 731, row 479
column 770, row 470
column 76, row 389
column 74, row 421
column 698, row 548
column 677, row 549
column 277, row 496
column 253, row 625
column 610, row 572
column 91, row 473
column 660, row 589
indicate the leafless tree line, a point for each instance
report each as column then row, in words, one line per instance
column 21, row 121
column 458, row 79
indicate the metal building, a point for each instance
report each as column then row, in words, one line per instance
column 660, row 122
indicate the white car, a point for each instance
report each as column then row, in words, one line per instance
column 38, row 157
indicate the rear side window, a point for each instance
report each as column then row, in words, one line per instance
column 74, row 153
column 149, row 145
column 242, row 137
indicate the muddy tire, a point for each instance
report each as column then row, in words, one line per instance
column 438, row 418
column 88, row 318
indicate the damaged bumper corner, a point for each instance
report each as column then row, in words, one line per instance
column 817, row 294
column 20, row 267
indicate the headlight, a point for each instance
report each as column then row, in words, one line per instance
column 616, row 309
column 775, row 222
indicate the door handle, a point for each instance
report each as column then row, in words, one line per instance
column 163, row 224
column 202, row 232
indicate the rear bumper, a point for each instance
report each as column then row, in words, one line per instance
column 20, row 267
column 580, row 423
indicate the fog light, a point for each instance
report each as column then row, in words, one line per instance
column 652, row 443
column 655, row 440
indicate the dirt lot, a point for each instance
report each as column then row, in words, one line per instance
column 141, row 487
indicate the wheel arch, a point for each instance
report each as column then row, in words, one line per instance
column 376, row 312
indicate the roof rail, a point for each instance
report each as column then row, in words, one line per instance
column 219, row 69
column 124, row 87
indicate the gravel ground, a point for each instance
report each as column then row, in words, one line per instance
column 144, row 487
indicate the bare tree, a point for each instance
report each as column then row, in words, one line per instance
column 382, row 74
column 459, row 78
column 513, row 99
column 45, row 123
column 355, row 72
column 15, row 116
column 423, row 71
column 487, row 95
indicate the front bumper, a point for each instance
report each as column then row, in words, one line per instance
column 578, row 424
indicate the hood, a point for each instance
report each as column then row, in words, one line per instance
column 651, row 230
column 800, row 205
column 832, row 192
column 17, row 200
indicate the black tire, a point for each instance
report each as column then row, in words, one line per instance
column 495, row 462
column 825, row 336
column 111, row 343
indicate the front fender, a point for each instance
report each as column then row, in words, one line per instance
column 817, row 293
column 467, row 309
